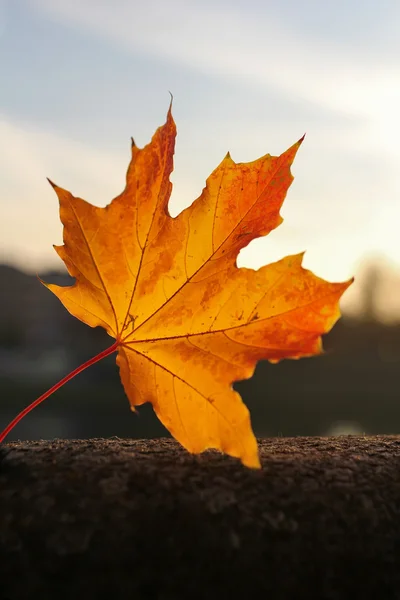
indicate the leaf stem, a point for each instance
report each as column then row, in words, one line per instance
column 55, row 387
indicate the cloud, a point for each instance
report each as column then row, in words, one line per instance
column 29, row 207
column 238, row 43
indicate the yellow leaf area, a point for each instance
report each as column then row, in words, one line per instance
column 187, row 320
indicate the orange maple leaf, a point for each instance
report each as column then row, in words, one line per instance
column 187, row 321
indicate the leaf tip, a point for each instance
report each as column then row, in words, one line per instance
column 299, row 257
column 42, row 282
column 170, row 103
column 252, row 462
column 53, row 185
column 301, row 140
column 170, row 123
column 348, row 283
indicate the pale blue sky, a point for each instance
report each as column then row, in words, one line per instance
column 79, row 77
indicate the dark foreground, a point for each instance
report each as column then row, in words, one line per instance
column 129, row 519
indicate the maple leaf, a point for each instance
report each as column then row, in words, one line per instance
column 187, row 321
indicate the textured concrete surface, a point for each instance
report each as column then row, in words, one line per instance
column 143, row 519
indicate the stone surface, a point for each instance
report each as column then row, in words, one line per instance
column 143, row 519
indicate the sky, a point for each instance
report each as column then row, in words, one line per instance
column 80, row 77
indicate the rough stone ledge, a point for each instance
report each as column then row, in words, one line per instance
column 143, row 519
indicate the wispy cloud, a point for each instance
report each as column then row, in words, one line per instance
column 243, row 41
column 27, row 157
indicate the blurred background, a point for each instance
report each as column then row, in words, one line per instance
column 78, row 78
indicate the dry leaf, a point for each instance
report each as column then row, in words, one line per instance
column 187, row 320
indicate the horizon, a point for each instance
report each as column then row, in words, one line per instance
column 385, row 273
